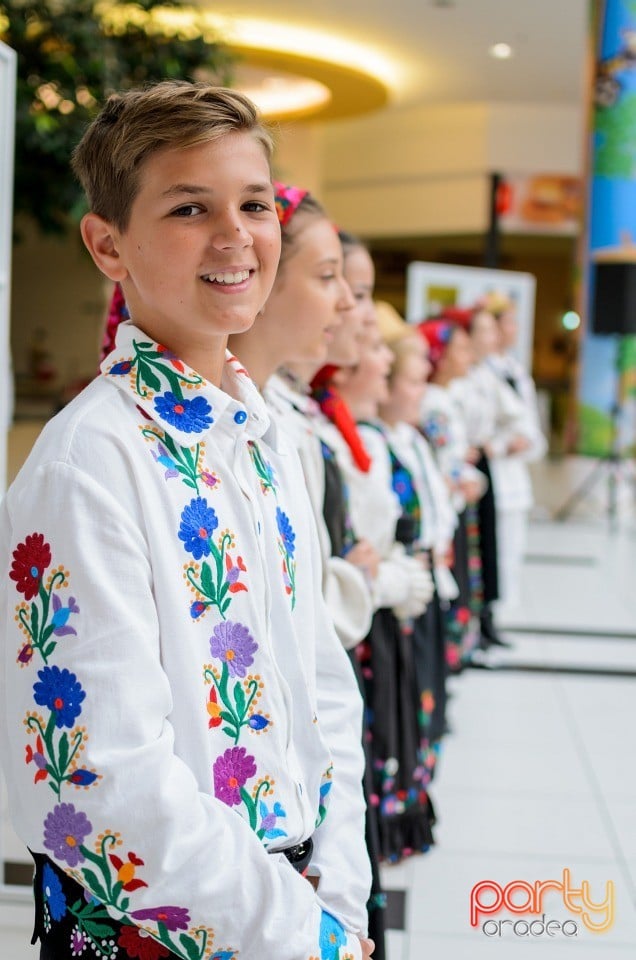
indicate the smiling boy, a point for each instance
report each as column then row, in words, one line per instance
column 190, row 720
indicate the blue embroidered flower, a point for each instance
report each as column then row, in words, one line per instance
column 60, row 691
column 83, row 778
column 61, row 615
column 164, row 458
column 197, row 609
column 269, row 818
column 332, row 937
column 121, row 368
column 286, row 531
column 191, row 416
column 53, row 893
column 198, row 523
column 257, row 721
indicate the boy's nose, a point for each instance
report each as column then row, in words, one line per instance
column 229, row 230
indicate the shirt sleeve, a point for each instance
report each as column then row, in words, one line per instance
column 340, row 854
column 103, row 792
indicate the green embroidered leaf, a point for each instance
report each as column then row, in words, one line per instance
column 190, row 947
column 48, row 650
column 117, row 889
column 150, row 378
column 226, row 604
column 97, row 929
column 239, row 699
column 207, row 583
column 95, row 885
column 35, row 619
column 225, row 715
column 125, row 903
column 63, row 756
column 47, row 633
column 144, row 345
column 228, row 732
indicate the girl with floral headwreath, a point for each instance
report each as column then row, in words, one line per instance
column 442, row 423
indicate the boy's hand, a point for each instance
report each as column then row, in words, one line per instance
column 368, row 946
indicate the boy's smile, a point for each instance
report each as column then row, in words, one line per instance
column 199, row 256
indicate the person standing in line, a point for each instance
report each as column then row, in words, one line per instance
column 511, row 475
column 443, row 424
column 191, row 722
column 401, row 591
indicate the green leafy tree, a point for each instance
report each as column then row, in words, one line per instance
column 72, row 54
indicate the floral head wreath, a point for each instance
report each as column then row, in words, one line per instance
column 287, row 200
column 438, row 335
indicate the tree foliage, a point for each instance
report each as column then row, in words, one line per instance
column 72, row 54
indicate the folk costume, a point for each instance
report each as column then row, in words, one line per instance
column 190, row 719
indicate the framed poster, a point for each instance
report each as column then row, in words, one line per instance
column 432, row 286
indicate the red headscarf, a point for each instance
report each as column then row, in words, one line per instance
column 336, row 410
column 117, row 313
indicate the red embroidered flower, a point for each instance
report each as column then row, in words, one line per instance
column 214, row 710
column 463, row 615
column 126, row 871
column 37, row 756
column 30, row 560
column 172, row 357
column 140, row 945
column 233, row 572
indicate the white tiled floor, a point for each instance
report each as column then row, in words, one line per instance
column 539, row 771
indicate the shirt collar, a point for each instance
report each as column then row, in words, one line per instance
column 183, row 403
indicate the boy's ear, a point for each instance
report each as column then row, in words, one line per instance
column 101, row 240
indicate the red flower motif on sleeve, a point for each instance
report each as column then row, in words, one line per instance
column 30, row 560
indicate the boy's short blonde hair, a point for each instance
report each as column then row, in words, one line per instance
column 134, row 125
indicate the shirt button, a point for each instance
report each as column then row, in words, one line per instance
column 240, row 416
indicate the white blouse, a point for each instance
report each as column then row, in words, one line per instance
column 346, row 592
column 439, row 519
column 170, row 666
column 445, row 429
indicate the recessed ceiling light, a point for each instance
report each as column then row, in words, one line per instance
column 501, row 51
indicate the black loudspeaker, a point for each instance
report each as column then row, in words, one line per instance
column 614, row 303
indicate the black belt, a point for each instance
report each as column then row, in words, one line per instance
column 300, row 855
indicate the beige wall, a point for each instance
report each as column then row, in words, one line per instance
column 408, row 171
column 424, row 169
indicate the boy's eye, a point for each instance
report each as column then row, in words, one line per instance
column 255, row 206
column 328, row 276
column 187, row 210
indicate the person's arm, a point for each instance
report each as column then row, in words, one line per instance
column 84, row 690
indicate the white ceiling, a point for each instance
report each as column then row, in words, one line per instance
column 442, row 46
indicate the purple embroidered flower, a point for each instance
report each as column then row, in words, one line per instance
column 173, row 918
column 197, row 609
column 61, row 615
column 191, row 416
column 121, row 368
column 286, row 531
column 26, row 653
column 233, row 644
column 164, row 458
column 53, row 893
column 231, row 771
column 65, row 830
column 198, row 523
column 79, row 942
column 60, row 691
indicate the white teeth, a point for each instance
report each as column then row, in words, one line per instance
column 227, row 278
